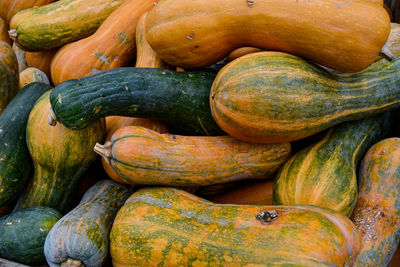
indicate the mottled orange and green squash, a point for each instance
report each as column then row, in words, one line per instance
column 324, row 173
column 377, row 212
column 30, row 75
column 277, row 97
column 143, row 156
column 145, row 55
column 59, row 23
column 170, row 227
column 241, row 52
column 60, row 158
column 82, row 235
column 8, row 8
column 343, row 35
column 21, row 57
column 252, row 192
column 393, row 42
column 111, row 46
column 4, row 32
column 9, row 75
column 113, row 123
column 41, row 60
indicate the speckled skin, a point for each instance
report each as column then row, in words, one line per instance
column 9, row 75
column 377, row 212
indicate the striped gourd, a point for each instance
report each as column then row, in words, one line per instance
column 277, row 97
column 377, row 212
column 170, row 227
column 324, row 173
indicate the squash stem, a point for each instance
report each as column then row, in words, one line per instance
column 51, row 120
column 72, row 263
column 387, row 53
column 103, row 150
column 13, row 34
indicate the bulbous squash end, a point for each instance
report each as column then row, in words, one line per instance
column 52, row 120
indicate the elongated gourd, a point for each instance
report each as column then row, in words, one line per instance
column 324, row 173
column 9, row 75
column 377, row 212
column 170, row 227
column 30, row 75
column 60, row 157
column 277, row 97
column 180, row 100
column 82, row 235
column 343, row 35
column 143, row 156
column 8, row 8
column 23, row 233
column 15, row 161
column 111, row 46
column 59, row 23
column 4, row 32
column 41, row 60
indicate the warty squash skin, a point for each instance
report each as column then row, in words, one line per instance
column 113, row 123
column 8, row 8
column 170, row 227
column 377, row 213
column 143, row 156
column 59, row 23
column 9, row 75
column 23, row 233
column 273, row 97
column 111, row 46
column 343, row 35
column 41, row 60
column 30, row 75
column 324, row 173
column 4, row 32
column 82, row 235
column 15, row 161
column 60, row 157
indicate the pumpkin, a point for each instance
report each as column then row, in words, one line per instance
column 143, row 156
column 277, row 97
column 170, row 227
column 343, row 35
column 377, row 212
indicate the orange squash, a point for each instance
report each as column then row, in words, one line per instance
column 377, row 212
column 4, row 32
column 250, row 192
column 241, row 52
column 142, row 156
column 8, row 8
column 343, row 35
column 111, row 46
column 9, row 75
column 145, row 55
column 113, row 123
column 41, row 60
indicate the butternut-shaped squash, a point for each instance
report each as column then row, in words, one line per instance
column 277, row 97
column 343, row 35
column 324, row 173
column 111, row 46
column 41, row 60
column 8, row 8
column 170, row 227
column 143, row 156
column 4, row 32
column 9, row 75
column 60, row 158
column 377, row 212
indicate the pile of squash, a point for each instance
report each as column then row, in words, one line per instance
column 199, row 133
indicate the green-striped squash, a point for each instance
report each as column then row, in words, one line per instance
column 324, row 173
column 82, row 235
column 276, row 97
column 23, row 233
column 170, row 227
column 58, row 23
column 377, row 212
column 60, row 158
column 9, row 75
